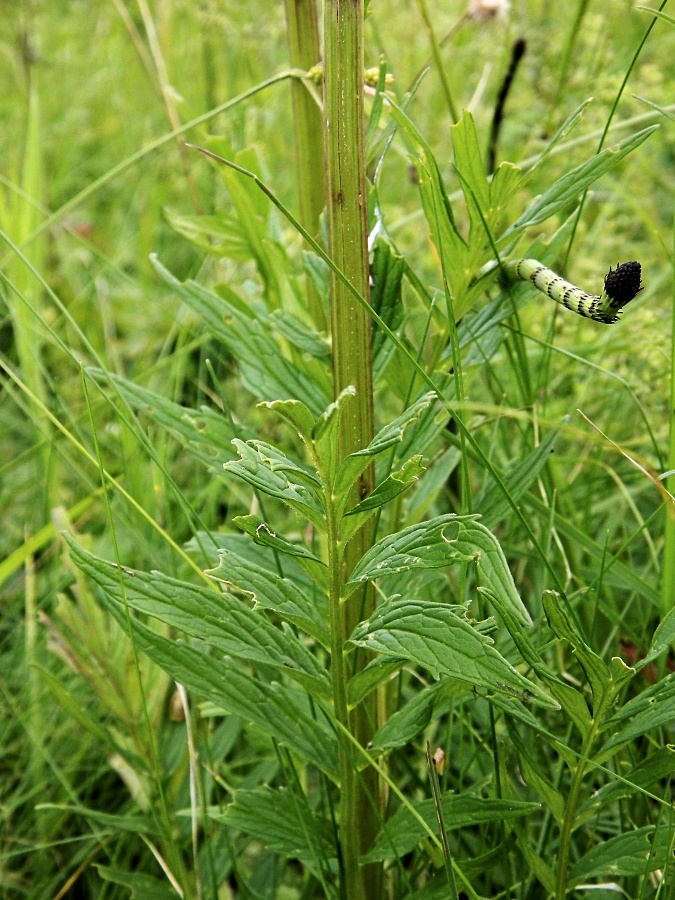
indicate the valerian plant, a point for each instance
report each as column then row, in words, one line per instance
column 536, row 725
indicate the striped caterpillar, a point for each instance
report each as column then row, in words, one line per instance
column 621, row 286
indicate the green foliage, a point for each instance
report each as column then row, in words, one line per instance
column 171, row 720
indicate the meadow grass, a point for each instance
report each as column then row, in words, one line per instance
column 309, row 652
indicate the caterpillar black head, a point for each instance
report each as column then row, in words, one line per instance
column 623, row 283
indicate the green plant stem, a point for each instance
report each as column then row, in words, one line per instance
column 668, row 573
column 304, row 51
column 346, row 202
column 570, row 814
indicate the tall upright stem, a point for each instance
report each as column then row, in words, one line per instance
column 304, row 51
column 346, row 199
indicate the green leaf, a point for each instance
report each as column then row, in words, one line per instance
column 570, row 186
column 272, row 708
column 438, row 543
column 437, row 210
column 564, row 628
column 299, row 335
column 570, row 699
column 356, row 463
column 326, row 433
column 473, row 180
column 403, row 832
column 262, row 534
column 366, row 680
column 663, row 638
column 386, row 272
column 440, row 638
column 493, row 505
column 267, row 469
column 386, row 490
column 264, row 371
column 272, row 591
column 533, row 776
column 220, row 234
column 281, row 823
column 222, row 621
column 110, row 822
column 658, row 767
column 295, row 413
column 207, row 433
column 140, row 885
column 407, row 723
column 634, row 853
column 652, row 708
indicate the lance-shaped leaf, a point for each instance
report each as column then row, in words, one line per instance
column 391, row 487
column 633, row 853
column 265, row 372
column 387, row 437
column 441, row 639
column 442, row 542
column 271, row 707
column 262, row 534
column 437, row 210
column 570, row 699
column 574, row 183
column 386, row 272
column 271, row 591
column 403, row 832
column 222, row 621
column 207, row 433
column 652, row 708
column 270, row 471
column 281, row 823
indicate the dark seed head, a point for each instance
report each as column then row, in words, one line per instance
column 623, row 283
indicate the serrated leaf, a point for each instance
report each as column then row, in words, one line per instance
column 407, row 723
column 633, row 853
column 441, row 639
column 262, row 534
column 282, row 823
column 564, row 628
column 403, row 832
column 393, row 485
column 207, row 433
column 266, row 469
column 438, row 543
column 652, row 708
column 437, row 210
column 264, row 371
column 566, row 189
column 356, row 463
column 223, row 622
column 272, row 708
column 492, row 503
column 272, row 591
column 569, row 698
